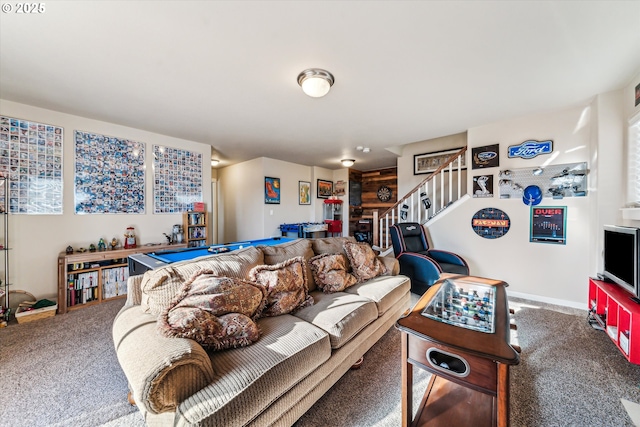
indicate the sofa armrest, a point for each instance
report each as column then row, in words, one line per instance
column 162, row 372
column 134, row 292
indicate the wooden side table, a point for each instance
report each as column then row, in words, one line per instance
column 459, row 331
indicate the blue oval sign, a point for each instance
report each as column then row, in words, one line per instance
column 487, row 155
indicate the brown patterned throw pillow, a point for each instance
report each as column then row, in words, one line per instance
column 331, row 272
column 286, row 285
column 365, row 264
column 217, row 312
column 285, row 251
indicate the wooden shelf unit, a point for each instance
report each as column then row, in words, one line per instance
column 618, row 315
column 196, row 228
column 105, row 275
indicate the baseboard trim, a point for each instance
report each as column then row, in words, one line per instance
column 556, row 301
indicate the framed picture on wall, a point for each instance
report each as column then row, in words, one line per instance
column 271, row 190
column 429, row 162
column 324, row 189
column 548, row 224
column 487, row 156
column 304, row 193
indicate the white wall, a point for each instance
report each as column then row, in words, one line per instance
column 555, row 273
column 243, row 214
column 316, row 174
column 288, row 211
column 240, row 201
column 607, row 160
column 406, row 179
column 630, row 109
column 343, row 175
column 36, row 240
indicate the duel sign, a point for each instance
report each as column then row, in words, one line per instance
column 548, row 225
column 530, row 149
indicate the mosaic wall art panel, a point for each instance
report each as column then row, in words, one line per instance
column 177, row 176
column 109, row 175
column 31, row 158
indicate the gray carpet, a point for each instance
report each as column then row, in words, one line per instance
column 63, row 372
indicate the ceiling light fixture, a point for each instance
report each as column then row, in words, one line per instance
column 214, row 162
column 347, row 162
column 315, row 82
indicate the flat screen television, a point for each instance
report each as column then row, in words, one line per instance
column 622, row 257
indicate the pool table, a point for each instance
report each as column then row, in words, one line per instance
column 139, row 263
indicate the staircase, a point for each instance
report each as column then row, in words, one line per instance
column 437, row 192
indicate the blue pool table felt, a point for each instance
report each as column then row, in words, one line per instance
column 175, row 255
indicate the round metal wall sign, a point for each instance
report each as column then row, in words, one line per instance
column 490, row 223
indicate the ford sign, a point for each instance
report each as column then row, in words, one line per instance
column 530, row 149
column 485, row 156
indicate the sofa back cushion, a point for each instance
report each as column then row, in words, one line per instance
column 160, row 286
column 330, row 245
column 285, row 251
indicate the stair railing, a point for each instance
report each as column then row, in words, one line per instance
column 421, row 203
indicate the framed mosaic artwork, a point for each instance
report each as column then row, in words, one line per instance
column 177, row 179
column 109, row 175
column 31, row 159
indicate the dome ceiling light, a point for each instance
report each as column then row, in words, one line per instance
column 347, row 162
column 315, row 82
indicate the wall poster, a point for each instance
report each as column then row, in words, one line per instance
column 487, row 156
column 430, row 162
column 304, row 193
column 271, row 190
column 548, row 224
column 31, row 157
column 483, row 186
column 324, row 189
column 109, row 175
column 177, row 179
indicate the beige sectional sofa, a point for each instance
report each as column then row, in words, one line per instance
column 273, row 381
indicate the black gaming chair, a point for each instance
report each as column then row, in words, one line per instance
column 421, row 264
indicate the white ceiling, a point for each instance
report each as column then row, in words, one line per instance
column 224, row 73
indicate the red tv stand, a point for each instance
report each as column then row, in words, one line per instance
column 614, row 310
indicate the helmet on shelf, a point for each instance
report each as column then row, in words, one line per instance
column 532, row 195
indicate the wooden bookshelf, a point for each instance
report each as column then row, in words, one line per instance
column 95, row 277
column 196, row 229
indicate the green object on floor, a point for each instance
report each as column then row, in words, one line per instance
column 43, row 303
